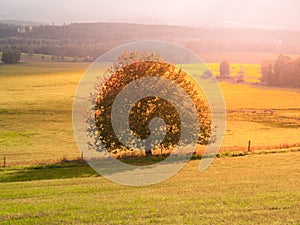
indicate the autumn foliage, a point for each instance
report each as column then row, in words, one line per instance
column 132, row 66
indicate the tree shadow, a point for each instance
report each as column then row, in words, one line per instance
column 46, row 172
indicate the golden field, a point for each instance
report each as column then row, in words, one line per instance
column 36, row 106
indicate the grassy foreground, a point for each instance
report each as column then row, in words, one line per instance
column 254, row 189
column 35, row 127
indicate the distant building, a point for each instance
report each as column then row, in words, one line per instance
column 24, row 29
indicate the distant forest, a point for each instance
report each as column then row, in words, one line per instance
column 89, row 40
column 283, row 72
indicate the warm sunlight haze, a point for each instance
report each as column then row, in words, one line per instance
column 150, row 112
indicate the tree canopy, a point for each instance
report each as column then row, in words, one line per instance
column 283, row 72
column 224, row 69
column 147, row 108
column 11, row 56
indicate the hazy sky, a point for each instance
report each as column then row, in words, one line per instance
column 250, row 13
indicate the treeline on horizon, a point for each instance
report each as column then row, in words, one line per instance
column 85, row 42
column 90, row 40
column 283, row 72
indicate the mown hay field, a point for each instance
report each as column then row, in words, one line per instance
column 254, row 189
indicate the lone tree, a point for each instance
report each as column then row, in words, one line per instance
column 122, row 73
column 11, row 56
column 224, row 69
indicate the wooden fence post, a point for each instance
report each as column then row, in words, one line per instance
column 249, row 146
column 4, row 161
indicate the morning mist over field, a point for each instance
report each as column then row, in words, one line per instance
column 269, row 14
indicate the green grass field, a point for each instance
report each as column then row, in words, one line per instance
column 254, row 189
column 36, row 106
column 35, row 111
column 36, row 128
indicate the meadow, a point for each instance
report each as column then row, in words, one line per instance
column 254, row 189
column 35, row 111
column 260, row 187
column 36, row 107
column 251, row 71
